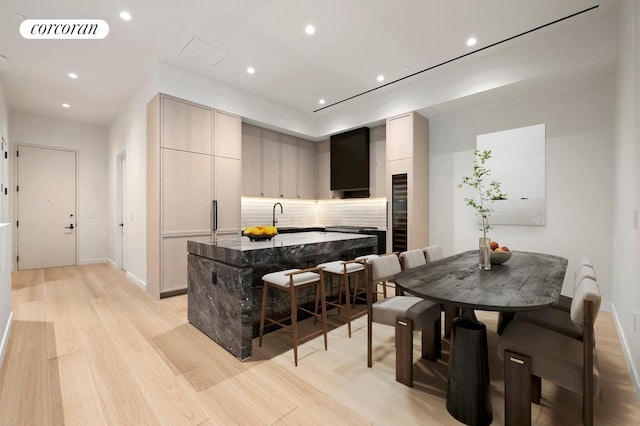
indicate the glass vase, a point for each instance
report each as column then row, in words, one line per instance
column 484, row 253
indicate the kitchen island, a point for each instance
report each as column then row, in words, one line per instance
column 224, row 293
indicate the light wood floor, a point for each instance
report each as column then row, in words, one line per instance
column 89, row 348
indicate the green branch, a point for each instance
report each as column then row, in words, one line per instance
column 487, row 192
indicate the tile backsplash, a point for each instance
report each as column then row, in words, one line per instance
column 354, row 212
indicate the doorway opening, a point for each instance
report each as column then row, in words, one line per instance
column 120, row 240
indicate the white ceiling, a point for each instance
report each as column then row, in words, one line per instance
column 355, row 40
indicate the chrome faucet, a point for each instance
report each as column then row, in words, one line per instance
column 274, row 213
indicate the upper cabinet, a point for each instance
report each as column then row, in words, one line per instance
column 306, row 169
column 288, row 167
column 275, row 165
column 189, row 128
column 270, row 164
column 251, row 161
column 228, row 135
column 323, row 170
column 400, row 131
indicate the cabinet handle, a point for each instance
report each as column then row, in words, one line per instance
column 214, row 215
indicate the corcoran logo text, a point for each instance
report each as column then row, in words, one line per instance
column 55, row 29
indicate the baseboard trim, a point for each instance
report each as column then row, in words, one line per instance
column 137, row 281
column 92, row 261
column 110, row 262
column 635, row 379
column 5, row 338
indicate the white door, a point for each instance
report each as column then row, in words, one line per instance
column 46, row 223
column 121, row 242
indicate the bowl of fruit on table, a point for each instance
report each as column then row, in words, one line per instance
column 499, row 255
column 260, row 233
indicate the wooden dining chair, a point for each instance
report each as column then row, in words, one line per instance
column 412, row 259
column 532, row 353
column 406, row 314
column 431, row 254
column 558, row 318
column 584, row 269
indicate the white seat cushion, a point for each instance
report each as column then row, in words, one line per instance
column 422, row 312
column 412, row 259
column 385, row 268
column 282, row 279
column 433, row 253
column 584, row 271
column 337, row 267
column 586, row 290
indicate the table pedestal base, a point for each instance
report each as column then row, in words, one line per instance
column 468, row 398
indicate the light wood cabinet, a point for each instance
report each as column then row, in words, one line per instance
column 270, row 164
column 228, row 135
column 288, row 167
column 323, row 170
column 185, row 205
column 193, row 158
column 306, row 170
column 251, row 161
column 400, row 128
column 190, row 128
column 227, row 185
column 408, row 134
column 275, row 165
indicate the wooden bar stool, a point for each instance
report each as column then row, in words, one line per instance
column 291, row 281
column 343, row 270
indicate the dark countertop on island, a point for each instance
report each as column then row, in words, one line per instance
column 242, row 252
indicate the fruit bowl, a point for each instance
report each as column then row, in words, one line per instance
column 499, row 257
column 260, row 233
column 260, row 237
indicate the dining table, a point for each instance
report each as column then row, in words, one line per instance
column 527, row 281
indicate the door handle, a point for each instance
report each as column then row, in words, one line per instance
column 69, row 227
column 121, row 225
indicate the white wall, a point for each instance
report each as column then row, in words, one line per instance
column 626, row 187
column 90, row 142
column 128, row 131
column 578, row 178
column 5, row 287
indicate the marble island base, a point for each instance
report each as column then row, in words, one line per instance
column 224, row 279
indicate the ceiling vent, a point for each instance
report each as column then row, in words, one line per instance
column 204, row 52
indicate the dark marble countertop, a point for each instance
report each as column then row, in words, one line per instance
column 241, row 251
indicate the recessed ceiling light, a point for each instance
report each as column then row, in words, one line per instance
column 471, row 41
column 66, row 106
column 125, row 15
column 310, row 29
column 73, row 75
column 380, row 78
column 321, row 101
column 251, row 70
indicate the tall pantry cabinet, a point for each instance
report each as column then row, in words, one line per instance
column 194, row 178
column 407, row 182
